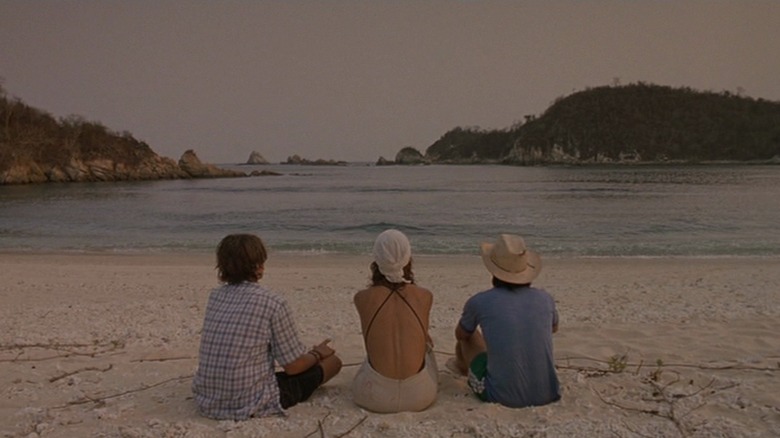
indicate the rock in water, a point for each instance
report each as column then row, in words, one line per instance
column 256, row 158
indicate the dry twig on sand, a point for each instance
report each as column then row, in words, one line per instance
column 80, row 370
column 667, row 402
column 321, row 428
column 102, row 399
column 617, row 364
column 355, row 426
column 164, row 359
column 67, row 350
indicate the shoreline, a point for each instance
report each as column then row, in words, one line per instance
column 282, row 254
column 104, row 344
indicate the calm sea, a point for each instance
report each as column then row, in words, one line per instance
column 716, row 210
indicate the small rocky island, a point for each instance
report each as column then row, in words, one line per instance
column 407, row 155
column 297, row 160
column 256, row 158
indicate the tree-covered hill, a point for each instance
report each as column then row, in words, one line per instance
column 35, row 147
column 633, row 123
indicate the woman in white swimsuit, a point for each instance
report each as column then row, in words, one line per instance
column 400, row 372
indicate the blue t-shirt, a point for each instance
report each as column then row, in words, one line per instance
column 517, row 327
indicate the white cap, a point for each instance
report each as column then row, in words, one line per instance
column 392, row 252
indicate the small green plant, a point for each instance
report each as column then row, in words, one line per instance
column 655, row 375
column 617, row 363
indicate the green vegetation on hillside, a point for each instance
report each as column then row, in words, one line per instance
column 29, row 135
column 465, row 144
column 640, row 121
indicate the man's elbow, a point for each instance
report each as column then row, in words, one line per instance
column 461, row 335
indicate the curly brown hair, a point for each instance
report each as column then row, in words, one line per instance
column 378, row 278
column 238, row 258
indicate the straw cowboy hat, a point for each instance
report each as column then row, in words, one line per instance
column 510, row 260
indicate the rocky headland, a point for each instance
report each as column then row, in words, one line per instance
column 37, row 148
column 633, row 124
column 112, row 168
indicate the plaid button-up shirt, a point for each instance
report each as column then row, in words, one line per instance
column 246, row 328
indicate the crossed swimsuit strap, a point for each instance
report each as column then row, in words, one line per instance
column 394, row 291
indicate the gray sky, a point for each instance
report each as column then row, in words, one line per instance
column 355, row 80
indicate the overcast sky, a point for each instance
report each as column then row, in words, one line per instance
column 355, row 80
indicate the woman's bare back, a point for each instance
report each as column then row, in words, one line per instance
column 395, row 328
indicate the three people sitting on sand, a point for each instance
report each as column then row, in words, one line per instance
column 504, row 336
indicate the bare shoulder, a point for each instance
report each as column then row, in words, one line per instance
column 427, row 292
column 423, row 293
column 365, row 296
column 360, row 296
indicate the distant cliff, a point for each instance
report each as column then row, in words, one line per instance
column 36, row 148
column 637, row 123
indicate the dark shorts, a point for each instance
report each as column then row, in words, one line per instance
column 477, row 373
column 298, row 388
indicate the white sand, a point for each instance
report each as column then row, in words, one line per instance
column 104, row 346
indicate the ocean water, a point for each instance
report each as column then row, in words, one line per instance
column 703, row 211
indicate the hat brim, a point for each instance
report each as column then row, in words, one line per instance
column 533, row 267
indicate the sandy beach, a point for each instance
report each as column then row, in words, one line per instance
column 104, row 345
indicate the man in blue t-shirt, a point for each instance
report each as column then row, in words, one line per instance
column 505, row 333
